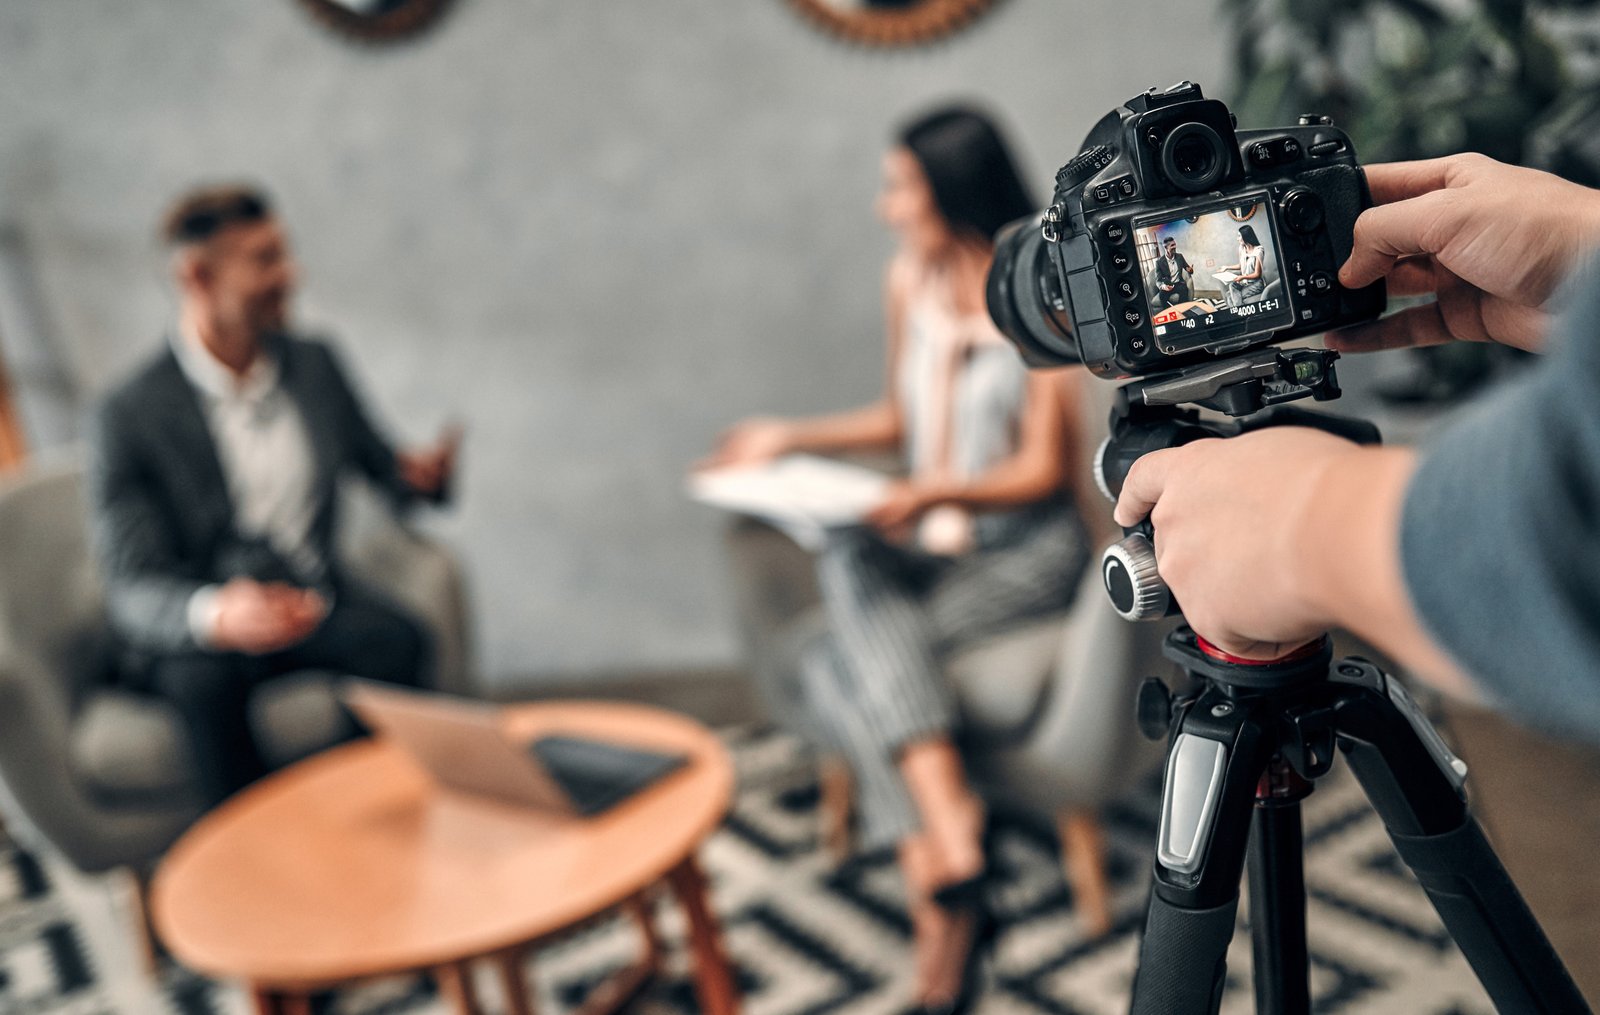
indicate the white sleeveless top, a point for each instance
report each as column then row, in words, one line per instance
column 962, row 388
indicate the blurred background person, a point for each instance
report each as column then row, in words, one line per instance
column 212, row 494
column 979, row 536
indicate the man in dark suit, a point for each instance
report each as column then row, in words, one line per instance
column 212, row 494
column 1172, row 275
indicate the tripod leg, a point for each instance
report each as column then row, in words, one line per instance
column 1278, row 911
column 1415, row 786
column 1217, row 755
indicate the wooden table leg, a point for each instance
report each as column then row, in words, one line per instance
column 713, row 980
column 144, row 931
column 294, row 1004
column 514, row 982
column 640, row 909
column 455, row 986
column 266, row 1001
column 619, row 989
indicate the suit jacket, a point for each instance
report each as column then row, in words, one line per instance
column 162, row 520
column 1163, row 274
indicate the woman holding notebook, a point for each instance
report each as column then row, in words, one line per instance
column 980, row 535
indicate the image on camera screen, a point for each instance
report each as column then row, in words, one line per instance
column 1214, row 271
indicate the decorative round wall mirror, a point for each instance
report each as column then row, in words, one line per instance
column 377, row 20
column 891, row 22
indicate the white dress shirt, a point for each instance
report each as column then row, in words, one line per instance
column 266, row 458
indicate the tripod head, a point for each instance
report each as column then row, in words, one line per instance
column 1150, row 414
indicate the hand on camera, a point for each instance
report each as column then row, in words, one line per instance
column 1490, row 241
column 1233, row 538
column 750, row 442
column 257, row 618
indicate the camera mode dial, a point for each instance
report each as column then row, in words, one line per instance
column 1084, row 165
column 1136, row 588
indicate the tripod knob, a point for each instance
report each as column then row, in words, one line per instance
column 1136, row 588
column 1154, row 709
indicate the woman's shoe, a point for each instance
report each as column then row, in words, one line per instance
column 967, row 897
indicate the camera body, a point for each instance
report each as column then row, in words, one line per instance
column 1174, row 240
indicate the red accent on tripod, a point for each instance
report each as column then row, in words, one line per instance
column 1305, row 651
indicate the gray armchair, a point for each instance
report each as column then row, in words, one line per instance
column 1047, row 709
column 105, row 775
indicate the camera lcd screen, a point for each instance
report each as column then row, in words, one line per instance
column 1212, row 274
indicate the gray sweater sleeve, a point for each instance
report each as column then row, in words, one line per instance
column 1500, row 538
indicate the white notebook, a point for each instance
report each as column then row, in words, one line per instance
column 803, row 495
column 1225, row 276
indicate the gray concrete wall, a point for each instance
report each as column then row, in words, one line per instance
column 595, row 232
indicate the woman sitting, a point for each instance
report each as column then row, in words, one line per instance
column 1249, row 285
column 980, row 536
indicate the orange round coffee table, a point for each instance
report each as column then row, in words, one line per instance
column 354, row 864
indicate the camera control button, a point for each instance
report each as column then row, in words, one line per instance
column 1321, row 283
column 1120, row 260
column 1127, row 290
column 1302, row 211
column 1125, row 186
column 1322, row 149
column 1131, row 317
column 1103, row 194
column 1115, row 233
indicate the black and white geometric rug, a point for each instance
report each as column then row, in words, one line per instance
column 810, row 938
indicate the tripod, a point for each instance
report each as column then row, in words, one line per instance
column 1246, row 747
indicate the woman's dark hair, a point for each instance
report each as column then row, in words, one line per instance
column 975, row 182
column 1248, row 234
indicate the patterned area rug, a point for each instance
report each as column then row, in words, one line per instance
column 812, row 938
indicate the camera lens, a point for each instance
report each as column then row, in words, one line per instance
column 1024, row 297
column 1193, row 157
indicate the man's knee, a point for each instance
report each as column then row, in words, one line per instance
column 385, row 644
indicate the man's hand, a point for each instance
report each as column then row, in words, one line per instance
column 428, row 470
column 1235, row 533
column 257, row 618
column 1490, row 241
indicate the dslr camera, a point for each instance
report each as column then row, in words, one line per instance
column 1173, row 240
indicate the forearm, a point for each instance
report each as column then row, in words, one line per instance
column 1015, row 482
column 1347, row 554
column 154, row 611
column 874, row 427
